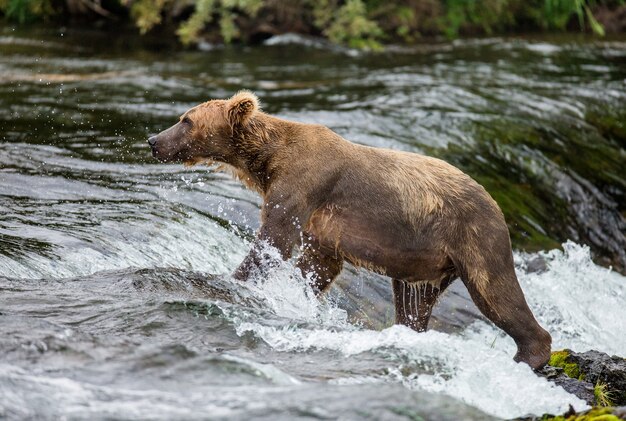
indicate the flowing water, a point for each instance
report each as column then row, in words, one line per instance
column 113, row 298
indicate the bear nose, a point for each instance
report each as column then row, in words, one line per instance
column 152, row 140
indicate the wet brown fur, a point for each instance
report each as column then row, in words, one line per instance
column 415, row 218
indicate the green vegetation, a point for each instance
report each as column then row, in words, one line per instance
column 23, row 11
column 602, row 395
column 223, row 11
column 560, row 359
column 363, row 24
column 559, row 12
column 594, row 414
column 347, row 24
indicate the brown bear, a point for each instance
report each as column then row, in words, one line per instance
column 414, row 218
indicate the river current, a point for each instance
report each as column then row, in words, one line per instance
column 115, row 299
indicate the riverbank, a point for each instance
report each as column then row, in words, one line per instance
column 361, row 24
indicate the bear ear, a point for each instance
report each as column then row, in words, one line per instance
column 241, row 107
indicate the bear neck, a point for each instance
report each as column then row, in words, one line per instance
column 256, row 145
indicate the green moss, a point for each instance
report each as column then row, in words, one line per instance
column 516, row 181
column 594, row 414
column 611, row 124
column 560, row 359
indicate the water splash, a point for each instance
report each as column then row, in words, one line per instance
column 475, row 366
column 581, row 303
column 287, row 294
column 157, row 243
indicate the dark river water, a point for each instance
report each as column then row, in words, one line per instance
column 115, row 299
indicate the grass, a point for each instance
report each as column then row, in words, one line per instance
column 602, row 394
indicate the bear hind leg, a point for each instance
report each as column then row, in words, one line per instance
column 414, row 302
column 498, row 295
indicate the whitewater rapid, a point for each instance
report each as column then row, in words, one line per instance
column 579, row 303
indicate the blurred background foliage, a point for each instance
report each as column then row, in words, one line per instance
column 365, row 24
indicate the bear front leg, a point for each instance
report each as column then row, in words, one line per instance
column 322, row 267
column 257, row 263
column 280, row 229
column 260, row 260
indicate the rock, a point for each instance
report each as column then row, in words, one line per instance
column 580, row 388
column 537, row 264
column 600, row 368
column 367, row 297
column 593, row 376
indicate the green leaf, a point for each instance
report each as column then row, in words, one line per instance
column 596, row 26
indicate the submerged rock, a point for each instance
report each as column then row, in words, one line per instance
column 593, row 376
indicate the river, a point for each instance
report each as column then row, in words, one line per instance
column 114, row 297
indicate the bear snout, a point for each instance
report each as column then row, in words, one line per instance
column 170, row 145
column 152, row 141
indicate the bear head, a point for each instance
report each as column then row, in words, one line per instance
column 205, row 133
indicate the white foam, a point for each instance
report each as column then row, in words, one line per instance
column 466, row 366
column 82, row 400
column 288, row 294
column 580, row 303
column 543, row 48
column 191, row 243
column 268, row 371
column 310, row 42
column 583, row 305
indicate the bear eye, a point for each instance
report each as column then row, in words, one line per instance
column 187, row 120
